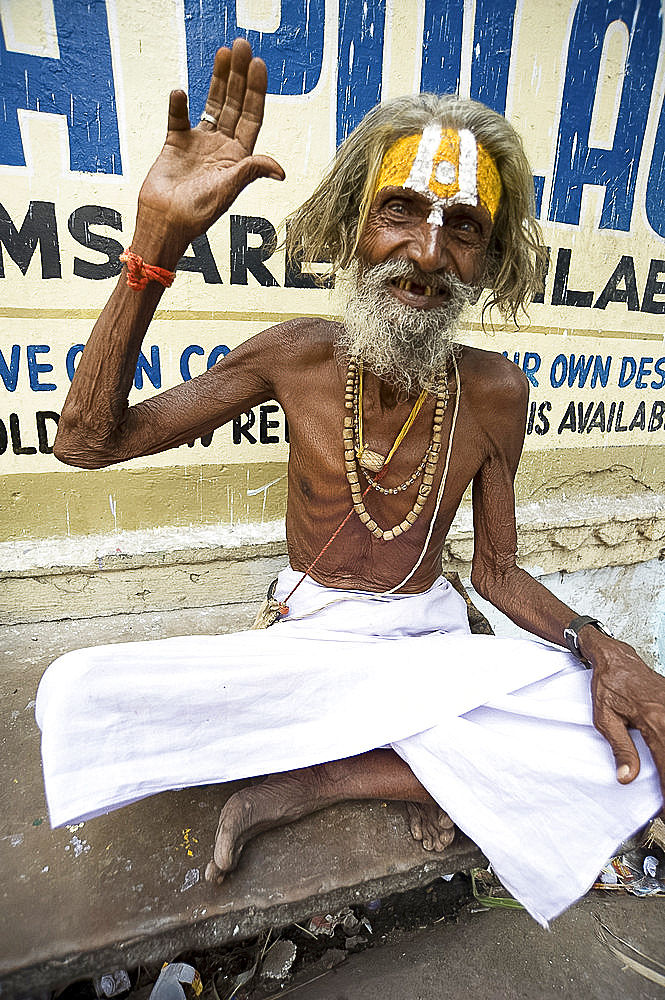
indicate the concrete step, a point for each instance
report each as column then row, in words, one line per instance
column 174, row 568
column 128, row 888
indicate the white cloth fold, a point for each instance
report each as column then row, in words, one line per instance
column 498, row 730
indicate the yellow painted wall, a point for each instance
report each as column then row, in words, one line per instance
column 584, row 85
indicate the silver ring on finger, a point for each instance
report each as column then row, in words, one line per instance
column 205, row 117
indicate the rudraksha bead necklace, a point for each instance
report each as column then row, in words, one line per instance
column 354, row 452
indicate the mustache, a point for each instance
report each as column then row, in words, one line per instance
column 439, row 281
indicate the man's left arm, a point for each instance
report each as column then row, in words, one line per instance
column 626, row 693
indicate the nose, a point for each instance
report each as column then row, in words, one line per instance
column 429, row 248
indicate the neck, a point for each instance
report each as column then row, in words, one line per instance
column 390, row 396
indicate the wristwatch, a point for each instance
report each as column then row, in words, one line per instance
column 572, row 637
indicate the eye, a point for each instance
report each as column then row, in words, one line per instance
column 467, row 226
column 398, row 207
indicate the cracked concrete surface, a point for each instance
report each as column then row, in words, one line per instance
column 128, row 888
column 87, row 577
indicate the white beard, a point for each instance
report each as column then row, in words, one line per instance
column 408, row 348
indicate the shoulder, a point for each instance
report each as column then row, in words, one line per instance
column 305, row 340
column 495, row 398
column 282, row 351
column 312, row 338
column 490, row 381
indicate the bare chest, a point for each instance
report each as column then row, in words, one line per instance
column 388, row 462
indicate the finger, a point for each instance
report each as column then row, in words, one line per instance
column 253, row 167
column 217, row 90
column 615, row 731
column 251, row 117
column 178, row 116
column 656, row 744
column 241, row 57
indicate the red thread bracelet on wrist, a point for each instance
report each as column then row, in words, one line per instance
column 139, row 273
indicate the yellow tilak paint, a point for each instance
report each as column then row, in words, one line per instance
column 445, row 163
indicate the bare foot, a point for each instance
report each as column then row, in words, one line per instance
column 278, row 800
column 430, row 825
column 284, row 798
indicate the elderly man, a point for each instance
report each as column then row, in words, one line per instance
column 369, row 685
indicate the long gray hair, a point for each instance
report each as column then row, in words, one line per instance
column 328, row 225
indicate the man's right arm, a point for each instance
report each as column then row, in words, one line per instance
column 196, row 177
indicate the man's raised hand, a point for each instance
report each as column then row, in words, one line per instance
column 201, row 171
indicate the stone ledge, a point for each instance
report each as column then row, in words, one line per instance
column 554, row 537
column 565, row 536
column 127, row 888
column 367, row 861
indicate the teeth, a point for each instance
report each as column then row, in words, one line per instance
column 407, row 286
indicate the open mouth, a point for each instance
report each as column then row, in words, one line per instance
column 414, row 287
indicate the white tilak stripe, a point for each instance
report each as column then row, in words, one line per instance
column 423, row 164
column 468, row 170
column 435, row 217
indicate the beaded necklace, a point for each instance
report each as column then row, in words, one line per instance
column 354, row 452
column 367, row 459
column 273, row 610
column 387, row 491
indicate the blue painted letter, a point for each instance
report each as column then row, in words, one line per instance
column 360, row 65
column 293, row 53
column 78, row 85
column 577, row 163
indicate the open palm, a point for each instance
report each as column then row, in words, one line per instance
column 201, row 171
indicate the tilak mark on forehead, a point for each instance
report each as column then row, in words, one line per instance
column 446, row 165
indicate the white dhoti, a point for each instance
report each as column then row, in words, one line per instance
column 498, row 730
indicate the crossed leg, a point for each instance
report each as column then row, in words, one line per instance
column 284, row 798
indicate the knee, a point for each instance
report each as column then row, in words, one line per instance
column 65, row 679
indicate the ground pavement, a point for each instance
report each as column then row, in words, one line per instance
column 127, row 889
column 505, row 955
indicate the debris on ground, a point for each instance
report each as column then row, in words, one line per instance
column 271, row 963
column 639, row 869
column 111, row 984
column 630, row 956
column 351, row 925
column 655, row 834
column 169, row 985
column 278, row 960
column 489, row 892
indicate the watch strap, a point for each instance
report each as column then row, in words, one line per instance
column 571, row 634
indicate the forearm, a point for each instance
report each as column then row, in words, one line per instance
column 195, row 179
column 524, row 600
column 625, row 692
column 533, row 607
column 93, row 430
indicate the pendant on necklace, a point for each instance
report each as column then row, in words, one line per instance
column 371, row 460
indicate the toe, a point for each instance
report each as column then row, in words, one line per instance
column 414, row 820
column 446, row 822
column 214, row 873
column 436, row 844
